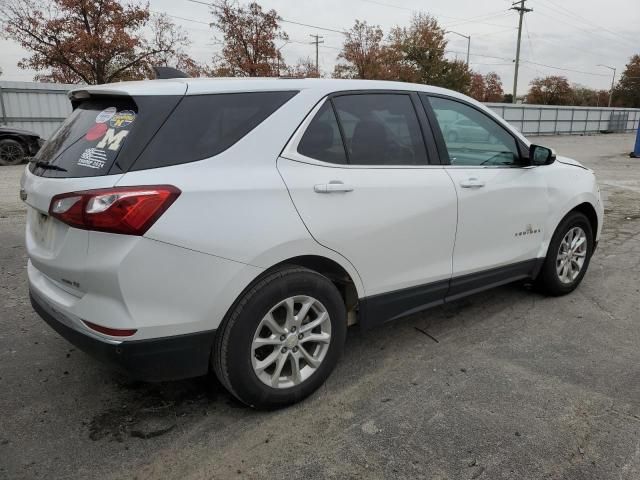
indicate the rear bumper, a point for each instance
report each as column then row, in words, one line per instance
column 152, row 360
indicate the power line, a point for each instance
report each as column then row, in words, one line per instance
column 584, row 20
column 590, row 31
column 485, row 16
column 281, row 19
column 566, row 69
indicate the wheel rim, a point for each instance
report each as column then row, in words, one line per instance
column 291, row 342
column 11, row 153
column 571, row 255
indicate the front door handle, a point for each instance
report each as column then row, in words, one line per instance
column 332, row 187
column 472, row 183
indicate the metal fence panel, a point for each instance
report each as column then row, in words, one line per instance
column 554, row 120
column 39, row 107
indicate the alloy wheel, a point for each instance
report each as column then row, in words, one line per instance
column 571, row 255
column 291, row 342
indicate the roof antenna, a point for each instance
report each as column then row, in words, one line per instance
column 168, row 72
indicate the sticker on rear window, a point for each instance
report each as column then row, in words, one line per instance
column 96, row 132
column 93, row 158
column 112, row 140
column 105, row 115
column 122, row 119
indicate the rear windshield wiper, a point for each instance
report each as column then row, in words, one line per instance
column 47, row 166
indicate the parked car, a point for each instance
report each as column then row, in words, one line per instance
column 18, row 145
column 242, row 224
column 466, row 130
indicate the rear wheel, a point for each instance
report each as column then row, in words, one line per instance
column 568, row 255
column 12, row 152
column 282, row 339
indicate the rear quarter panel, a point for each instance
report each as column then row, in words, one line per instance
column 235, row 205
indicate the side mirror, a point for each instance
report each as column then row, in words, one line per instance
column 539, row 155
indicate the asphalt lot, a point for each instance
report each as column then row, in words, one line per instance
column 519, row 386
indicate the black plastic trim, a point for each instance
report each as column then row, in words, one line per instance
column 152, row 360
column 476, row 282
column 386, row 307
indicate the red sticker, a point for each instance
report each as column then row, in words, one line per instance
column 96, row 132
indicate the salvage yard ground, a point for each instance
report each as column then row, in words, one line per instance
column 517, row 386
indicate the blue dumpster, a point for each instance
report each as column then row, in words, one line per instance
column 636, row 149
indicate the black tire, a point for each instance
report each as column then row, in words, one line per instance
column 232, row 353
column 548, row 279
column 12, row 152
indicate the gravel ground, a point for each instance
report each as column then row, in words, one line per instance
column 518, row 386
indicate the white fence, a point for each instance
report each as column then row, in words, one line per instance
column 560, row 120
column 41, row 107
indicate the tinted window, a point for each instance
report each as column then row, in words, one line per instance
column 381, row 129
column 322, row 139
column 471, row 137
column 205, row 125
column 90, row 139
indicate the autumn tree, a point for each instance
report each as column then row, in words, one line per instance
column 304, row 68
column 415, row 53
column 589, row 97
column 249, row 40
column 627, row 91
column 89, row 41
column 494, row 91
column 361, row 55
column 477, row 86
column 420, row 52
column 551, row 90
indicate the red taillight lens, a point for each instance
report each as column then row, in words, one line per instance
column 114, row 332
column 125, row 210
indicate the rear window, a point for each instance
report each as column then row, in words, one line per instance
column 205, row 125
column 91, row 138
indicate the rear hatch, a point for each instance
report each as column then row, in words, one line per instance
column 98, row 142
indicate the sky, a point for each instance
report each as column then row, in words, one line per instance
column 574, row 36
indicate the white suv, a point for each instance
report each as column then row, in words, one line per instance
column 242, row 224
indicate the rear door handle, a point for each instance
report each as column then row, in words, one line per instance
column 472, row 183
column 332, row 187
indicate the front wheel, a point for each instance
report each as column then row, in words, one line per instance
column 282, row 339
column 568, row 255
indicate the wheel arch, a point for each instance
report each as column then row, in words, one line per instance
column 331, row 269
column 590, row 212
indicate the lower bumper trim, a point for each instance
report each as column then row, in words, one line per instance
column 152, row 360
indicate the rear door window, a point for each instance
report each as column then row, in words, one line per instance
column 381, row 129
column 202, row 126
column 89, row 141
column 322, row 140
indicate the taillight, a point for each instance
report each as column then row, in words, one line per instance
column 114, row 332
column 125, row 210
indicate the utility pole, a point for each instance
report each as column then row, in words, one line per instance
column 613, row 80
column 520, row 8
column 317, row 41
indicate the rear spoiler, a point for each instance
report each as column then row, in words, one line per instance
column 169, row 72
